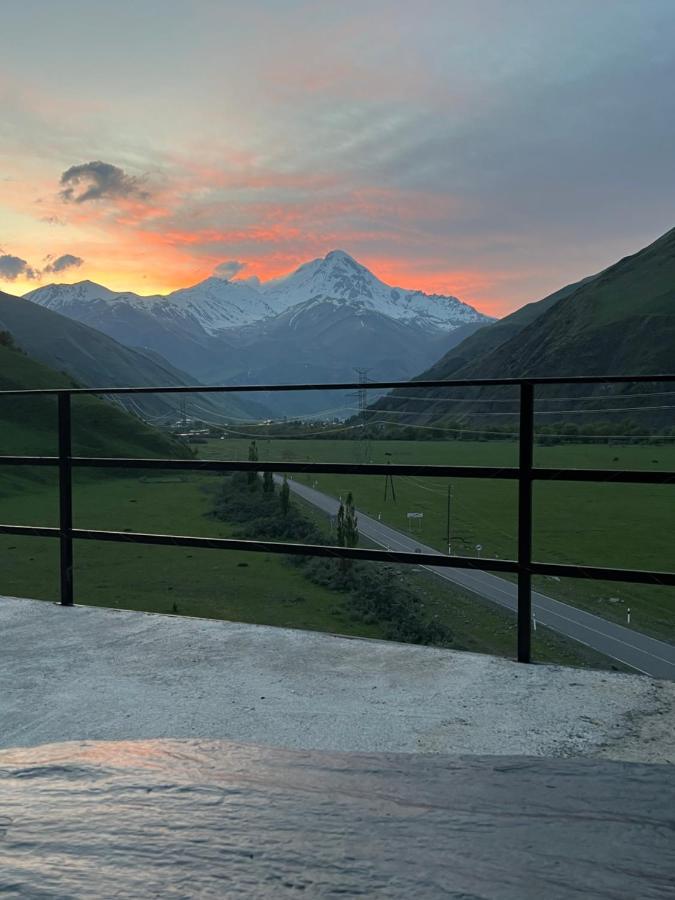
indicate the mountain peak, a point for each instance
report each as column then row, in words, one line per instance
column 339, row 277
column 55, row 294
column 339, row 256
column 338, row 263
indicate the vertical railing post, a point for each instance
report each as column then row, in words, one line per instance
column 526, row 455
column 65, row 501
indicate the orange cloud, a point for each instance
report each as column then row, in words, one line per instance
column 198, row 212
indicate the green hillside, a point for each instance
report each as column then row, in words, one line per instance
column 28, row 425
column 96, row 360
column 490, row 337
column 619, row 322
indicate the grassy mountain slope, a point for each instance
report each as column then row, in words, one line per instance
column 178, row 339
column 619, row 322
column 28, row 425
column 490, row 337
column 96, row 360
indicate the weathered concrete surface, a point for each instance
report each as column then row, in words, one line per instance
column 101, row 674
column 214, row 819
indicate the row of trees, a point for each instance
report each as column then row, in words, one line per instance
column 373, row 593
column 253, row 481
column 347, row 529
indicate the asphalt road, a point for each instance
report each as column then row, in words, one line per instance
column 646, row 654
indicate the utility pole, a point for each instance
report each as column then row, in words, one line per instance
column 389, row 481
column 449, row 508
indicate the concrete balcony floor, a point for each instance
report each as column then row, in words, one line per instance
column 88, row 673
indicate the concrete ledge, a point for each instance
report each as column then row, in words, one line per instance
column 214, row 819
column 102, row 674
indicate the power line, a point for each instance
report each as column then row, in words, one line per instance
column 446, row 399
column 549, row 412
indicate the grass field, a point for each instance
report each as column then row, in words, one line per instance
column 613, row 525
column 239, row 586
column 236, row 586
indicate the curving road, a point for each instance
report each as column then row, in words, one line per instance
column 641, row 652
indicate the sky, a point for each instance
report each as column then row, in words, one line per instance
column 490, row 149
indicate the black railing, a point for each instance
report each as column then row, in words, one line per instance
column 525, row 473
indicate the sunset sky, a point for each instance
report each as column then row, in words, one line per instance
column 492, row 149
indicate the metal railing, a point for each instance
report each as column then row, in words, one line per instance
column 525, row 474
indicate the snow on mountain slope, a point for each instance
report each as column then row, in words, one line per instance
column 315, row 325
column 58, row 297
column 210, row 306
column 216, row 305
column 341, row 277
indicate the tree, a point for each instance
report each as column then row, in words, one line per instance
column 252, row 477
column 351, row 523
column 268, row 483
column 285, row 497
column 340, row 530
column 347, row 529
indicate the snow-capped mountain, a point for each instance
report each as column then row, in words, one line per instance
column 216, row 305
column 211, row 306
column 340, row 277
column 59, row 297
column 314, row 325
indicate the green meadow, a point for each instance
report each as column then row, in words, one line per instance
column 630, row 526
column 237, row 586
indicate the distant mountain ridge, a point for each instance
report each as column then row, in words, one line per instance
column 309, row 326
column 618, row 322
column 28, row 424
column 95, row 360
column 215, row 304
column 210, row 306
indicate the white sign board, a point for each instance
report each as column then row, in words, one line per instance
column 415, row 515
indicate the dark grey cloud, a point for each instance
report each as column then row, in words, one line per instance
column 61, row 263
column 229, row 269
column 99, row 180
column 12, row 267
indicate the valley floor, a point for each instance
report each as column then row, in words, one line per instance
column 630, row 526
column 243, row 587
column 266, row 589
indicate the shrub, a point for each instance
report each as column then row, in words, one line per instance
column 373, row 593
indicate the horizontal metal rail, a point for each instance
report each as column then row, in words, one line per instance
column 351, row 385
column 327, row 551
column 525, row 474
column 615, row 476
